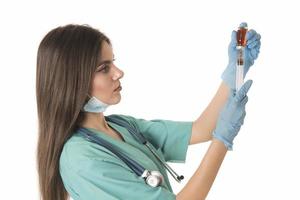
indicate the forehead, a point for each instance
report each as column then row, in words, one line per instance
column 106, row 51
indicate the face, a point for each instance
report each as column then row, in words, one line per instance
column 107, row 78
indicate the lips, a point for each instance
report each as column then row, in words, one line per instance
column 117, row 88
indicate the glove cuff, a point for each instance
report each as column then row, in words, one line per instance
column 224, row 140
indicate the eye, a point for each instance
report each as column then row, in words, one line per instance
column 105, row 69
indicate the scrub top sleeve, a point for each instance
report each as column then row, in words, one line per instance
column 171, row 137
column 102, row 179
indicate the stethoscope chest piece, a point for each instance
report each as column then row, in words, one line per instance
column 153, row 178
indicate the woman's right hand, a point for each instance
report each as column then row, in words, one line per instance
column 232, row 115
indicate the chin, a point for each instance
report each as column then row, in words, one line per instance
column 116, row 100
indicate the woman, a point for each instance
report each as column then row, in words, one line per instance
column 77, row 80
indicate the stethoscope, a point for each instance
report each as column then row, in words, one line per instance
column 152, row 178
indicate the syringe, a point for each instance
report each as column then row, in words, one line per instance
column 241, row 43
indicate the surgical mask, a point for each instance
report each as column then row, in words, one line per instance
column 94, row 105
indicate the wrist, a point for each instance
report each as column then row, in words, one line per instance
column 219, row 143
column 228, row 144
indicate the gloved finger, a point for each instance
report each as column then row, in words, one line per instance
column 244, row 100
column 254, row 44
column 243, row 91
column 254, row 53
column 242, row 104
column 242, row 118
column 250, row 34
column 242, row 114
column 257, row 46
column 239, row 120
column 239, row 112
column 255, row 37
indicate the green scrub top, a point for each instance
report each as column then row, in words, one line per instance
column 90, row 171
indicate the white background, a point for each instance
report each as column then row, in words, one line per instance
column 172, row 53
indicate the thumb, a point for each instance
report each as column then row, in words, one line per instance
column 233, row 41
column 243, row 90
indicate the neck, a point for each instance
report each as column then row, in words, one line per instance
column 95, row 121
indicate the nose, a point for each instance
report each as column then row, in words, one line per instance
column 118, row 73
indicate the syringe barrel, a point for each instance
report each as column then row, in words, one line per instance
column 241, row 43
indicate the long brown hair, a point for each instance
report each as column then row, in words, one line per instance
column 67, row 58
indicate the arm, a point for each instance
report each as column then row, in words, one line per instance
column 199, row 185
column 228, row 125
column 202, row 127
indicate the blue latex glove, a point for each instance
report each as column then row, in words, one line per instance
column 232, row 116
column 251, row 53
